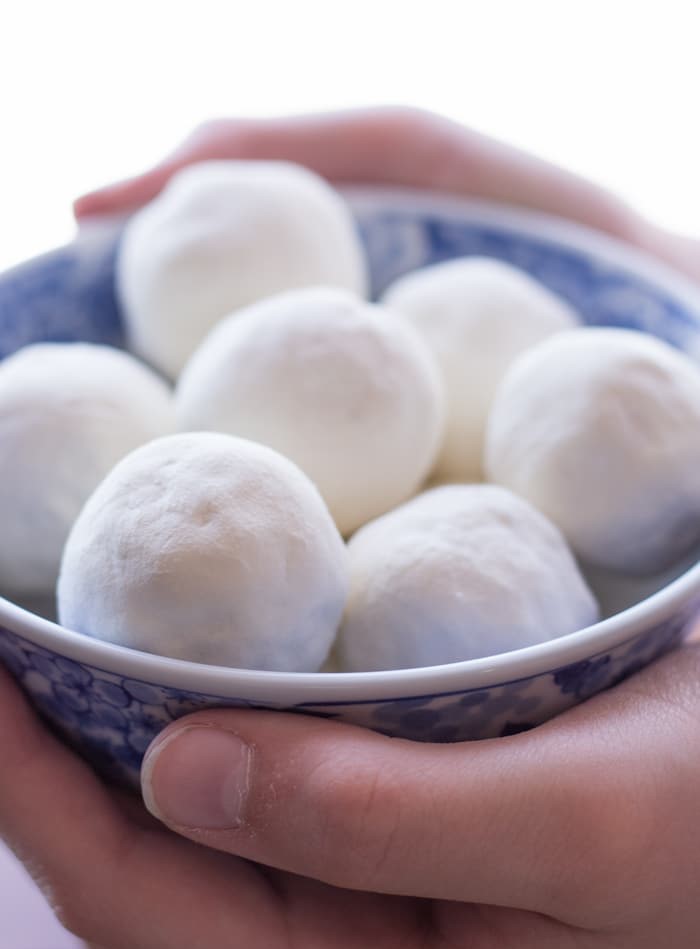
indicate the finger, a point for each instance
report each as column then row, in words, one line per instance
column 224, row 139
column 413, row 148
column 109, row 880
column 373, row 813
column 393, row 146
column 125, row 195
column 532, row 822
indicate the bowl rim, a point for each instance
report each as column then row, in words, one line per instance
column 472, row 674
column 549, row 228
column 356, row 687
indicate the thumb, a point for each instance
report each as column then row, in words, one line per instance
column 494, row 822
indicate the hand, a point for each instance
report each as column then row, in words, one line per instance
column 410, row 148
column 583, row 833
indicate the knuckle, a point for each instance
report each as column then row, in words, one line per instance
column 78, row 894
column 222, row 138
column 56, row 895
column 208, row 129
column 411, row 119
column 71, row 914
column 62, row 895
column 358, row 815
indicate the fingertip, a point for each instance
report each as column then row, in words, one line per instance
column 128, row 195
column 101, row 201
column 82, row 205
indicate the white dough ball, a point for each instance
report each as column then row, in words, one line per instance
column 460, row 572
column 223, row 235
column 600, row 429
column 345, row 389
column 68, row 413
column 207, row 548
column 476, row 315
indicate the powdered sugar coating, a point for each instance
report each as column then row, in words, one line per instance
column 460, row 572
column 68, row 413
column 220, row 236
column 477, row 315
column 209, row 548
column 345, row 389
column 600, row 429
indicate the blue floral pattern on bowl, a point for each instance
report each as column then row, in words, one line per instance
column 111, row 718
column 602, row 293
column 69, row 294
column 64, row 296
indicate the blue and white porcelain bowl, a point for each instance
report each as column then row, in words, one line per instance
column 109, row 702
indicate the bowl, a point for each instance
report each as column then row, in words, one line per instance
column 109, row 702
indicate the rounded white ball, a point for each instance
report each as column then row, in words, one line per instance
column 208, row 548
column 460, row 572
column 345, row 389
column 476, row 314
column 600, row 429
column 223, row 235
column 68, row 413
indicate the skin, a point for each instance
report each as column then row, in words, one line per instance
column 582, row 833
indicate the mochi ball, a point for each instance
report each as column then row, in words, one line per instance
column 208, row 548
column 600, row 429
column 460, row 572
column 344, row 388
column 476, row 314
column 220, row 236
column 68, row 413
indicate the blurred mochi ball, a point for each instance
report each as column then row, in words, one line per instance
column 476, row 314
column 460, row 572
column 207, row 548
column 344, row 388
column 224, row 234
column 600, row 430
column 68, row 413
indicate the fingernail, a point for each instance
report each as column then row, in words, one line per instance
column 197, row 778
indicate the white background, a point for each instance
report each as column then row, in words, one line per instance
column 93, row 91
